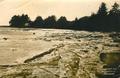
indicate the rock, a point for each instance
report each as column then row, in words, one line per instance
column 5, row 38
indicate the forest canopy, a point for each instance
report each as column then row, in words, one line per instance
column 102, row 20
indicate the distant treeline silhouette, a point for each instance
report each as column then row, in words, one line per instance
column 103, row 20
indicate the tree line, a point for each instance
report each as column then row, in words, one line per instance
column 103, row 20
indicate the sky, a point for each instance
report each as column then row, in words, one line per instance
column 69, row 8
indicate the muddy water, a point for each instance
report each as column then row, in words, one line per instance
column 16, row 45
column 51, row 52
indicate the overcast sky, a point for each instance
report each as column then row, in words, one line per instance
column 44, row 8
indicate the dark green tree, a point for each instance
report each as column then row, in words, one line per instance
column 39, row 22
column 62, row 22
column 115, row 9
column 14, row 21
column 102, row 10
column 19, row 21
column 76, row 22
column 24, row 20
column 50, row 22
column 114, row 17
